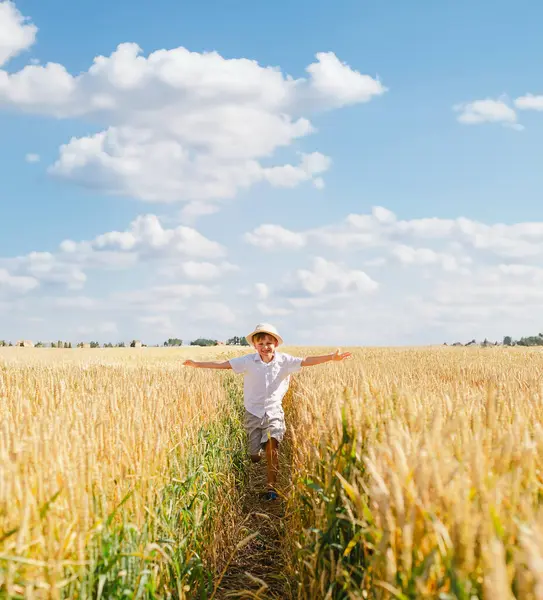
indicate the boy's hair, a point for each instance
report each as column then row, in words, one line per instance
column 261, row 335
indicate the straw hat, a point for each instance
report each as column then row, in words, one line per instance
column 265, row 328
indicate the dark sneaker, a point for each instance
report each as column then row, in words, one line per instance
column 270, row 496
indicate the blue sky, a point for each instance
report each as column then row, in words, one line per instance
column 390, row 195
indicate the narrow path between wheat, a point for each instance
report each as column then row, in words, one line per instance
column 257, row 569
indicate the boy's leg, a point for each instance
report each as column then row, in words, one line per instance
column 272, row 437
column 254, row 435
column 272, row 456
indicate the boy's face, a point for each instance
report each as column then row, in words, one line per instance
column 266, row 346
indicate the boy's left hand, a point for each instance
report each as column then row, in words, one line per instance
column 338, row 356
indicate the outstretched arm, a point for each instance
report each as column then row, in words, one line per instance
column 208, row 364
column 337, row 356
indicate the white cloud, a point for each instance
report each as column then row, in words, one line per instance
column 529, row 102
column 382, row 230
column 45, row 268
column 185, row 126
column 16, row 33
column 290, row 175
column 532, row 273
column 336, row 84
column 16, row 283
column 129, row 161
column 194, row 210
column 318, row 183
column 433, row 280
column 145, row 240
column 486, row 111
column 273, row 237
column 202, row 271
column 147, row 237
column 328, row 276
column 426, row 256
column 32, row 158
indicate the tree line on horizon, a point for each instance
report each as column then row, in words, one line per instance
column 170, row 342
column 531, row 340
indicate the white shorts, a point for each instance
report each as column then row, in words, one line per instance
column 260, row 430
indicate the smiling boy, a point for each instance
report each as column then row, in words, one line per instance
column 267, row 376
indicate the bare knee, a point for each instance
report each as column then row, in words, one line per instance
column 255, row 458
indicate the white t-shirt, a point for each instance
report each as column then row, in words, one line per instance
column 265, row 384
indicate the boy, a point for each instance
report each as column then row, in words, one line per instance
column 267, row 376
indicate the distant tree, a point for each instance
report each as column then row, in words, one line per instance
column 120, row 345
column 10, row 344
column 69, row 344
column 3, row 343
column 60, row 344
column 53, row 345
column 173, row 342
column 66, row 345
column 203, row 342
column 237, row 341
column 533, row 340
column 94, row 345
column 507, row 340
column 39, row 345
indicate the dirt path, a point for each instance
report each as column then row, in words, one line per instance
column 256, row 570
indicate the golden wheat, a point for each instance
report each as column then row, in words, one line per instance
column 79, row 430
column 445, row 485
column 425, row 464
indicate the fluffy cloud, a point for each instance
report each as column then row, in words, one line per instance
column 129, row 161
column 390, row 280
column 328, row 276
column 273, row 237
column 529, row 102
column 15, row 283
column 487, row 111
column 382, row 230
column 47, row 268
column 335, row 84
column 497, row 111
column 16, row 33
column 177, row 125
column 146, row 239
column 426, row 256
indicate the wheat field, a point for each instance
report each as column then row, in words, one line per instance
column 407, row 473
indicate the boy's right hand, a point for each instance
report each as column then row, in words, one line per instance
column 189, row 363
